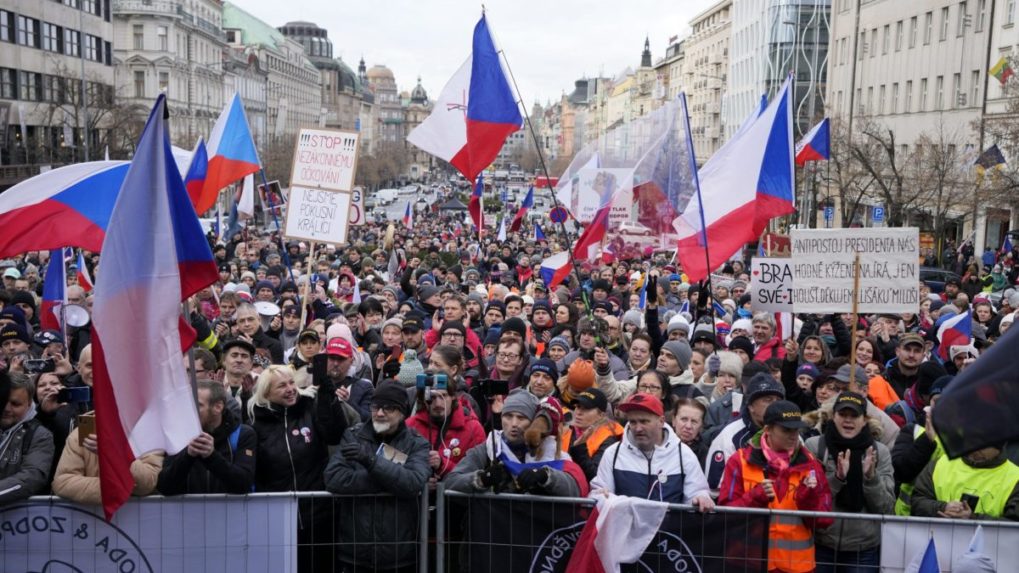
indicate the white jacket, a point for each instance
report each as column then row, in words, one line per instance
column 672, row 473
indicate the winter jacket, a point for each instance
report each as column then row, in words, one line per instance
column 60, row 422
column 229, row 469
column 26, row 455
column 379, row 532
column 361, row 392
column 898, row 381
column 77, row 476
column 734, row 435
column 292, row 454
column 672, row 473
column 620, row 371
column 770, row 349
column 588, row 453
column 721, row 412
column 998, row 493
column 888, row 430
column 569, row 482
column 451, row 439
column 269, row 346
column 878, row 493
column 617, row 390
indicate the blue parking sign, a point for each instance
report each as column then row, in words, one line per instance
column 829, row 213
column 879, row 214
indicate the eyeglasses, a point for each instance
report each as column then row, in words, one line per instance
column 649, row 388
column 384, row 408
column 452, row 335
column 507, row 356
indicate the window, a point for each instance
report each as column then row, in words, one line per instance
column 71, row 3
column 92, row 48
column 90, row 6
column 974, row 98
column 28, row 31
column 939, row 93
column 873, row 42
column 161, row 35
column 870, row 100
column 139, row 84
column 53, row 89
column 912, row 32
column 29, row 86
column 886, row 37
column 6, row 26
column 862, row 48
column 981, row 13
column 895, row 98
column 898, row 35
column 881, row 100
column 108, row 53
column 957, row 94
column 1010, row 12
column 943, row 35
column 963, row 20
column 8, row 83
column 51, row 37
column 164, row 82
column 923, row 94
column 71, row 42
column 139, row 36
column 928, row 27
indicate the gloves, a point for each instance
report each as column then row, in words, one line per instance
column 533, row 479
column 203, row 332
column 360, row 453
column 714, row 364
column 494, row 476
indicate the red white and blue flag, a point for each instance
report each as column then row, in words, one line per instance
column 539, row 235
column 587, row 243
column 54, row 292
column 231, row 152
column 955, row 331
column 475, row 206
column 528, row 203
column 197, row 172
column 618, row 531
column 815, row 145
column 555, row 269
column 475, row 112
column 154, row 256
column 84, row 279
column 408, row 217
column 1006, row 247
column 743, row 185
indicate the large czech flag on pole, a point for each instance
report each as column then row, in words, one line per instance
column 231, row 152
column 815, row 144
column 555, row 269
column 154, row 256
column 743, row 185
column 475, row 112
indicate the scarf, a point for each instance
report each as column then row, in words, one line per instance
column 779, row 461
column 851, row 496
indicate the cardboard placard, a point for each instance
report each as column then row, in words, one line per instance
column 325, row 159
column 823, row 259
column 317, row 215
column 771, row 284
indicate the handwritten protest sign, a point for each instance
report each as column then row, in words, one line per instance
column 325, row 159
column 771, row 284
column 317, row 215
column 822, row 261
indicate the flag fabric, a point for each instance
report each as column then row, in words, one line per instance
column 588, row 241
column 408, row 217
column 642, row 290
column 538, row 234
column 194, row 181
column 475, row 112
column 815, row 145
column 743, row 185
column 989, row 159
column 555, row 269
column 231, row 153
column 618, row 531
column 1002, row 70
column 926, row 562
column 528, row 203
column 54, row 295
column 246, row 201
column 84, row 279
column 954, row 331
column 155, row 255
column 784, row 325
column 393, row 268
column 502, row 229
column 1006, row 246
column 475, row 206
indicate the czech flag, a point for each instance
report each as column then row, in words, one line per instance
column 474, row 206
column 539, row 235
column 198, row 170
column 592, row 236
column 154, row 256
column 743, row 185
column 1006, row 247
column 231, row 152
column 475, row 112
column 84, row 279
column 618, row 531
column 954, row 331
column 555, row 269
column 408, row 217
column 522, row 212
column 815, row 145
column 54, row 294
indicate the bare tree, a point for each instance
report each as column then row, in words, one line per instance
column 851, row 182
column 893, row 167
column 945, row 180
column 278, row 158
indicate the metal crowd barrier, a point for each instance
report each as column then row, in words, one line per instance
column 476, row 532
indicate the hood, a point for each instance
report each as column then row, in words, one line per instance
column 817, row 418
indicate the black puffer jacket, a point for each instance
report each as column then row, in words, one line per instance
column 292, row 444
column 227, row 470
column 378, row 533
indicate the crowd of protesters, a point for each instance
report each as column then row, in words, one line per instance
column 423, row 356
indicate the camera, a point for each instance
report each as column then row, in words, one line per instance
column 426, row 380
column 39, row 365
column 75, row 395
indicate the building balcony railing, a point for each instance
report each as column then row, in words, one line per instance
column 146, row 6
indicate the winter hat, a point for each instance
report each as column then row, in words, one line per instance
column 580, row 375
column 926, row 375
column 541, row 304
column 497, row 305
column 390, row 393
column 342, row 331
column 427, row 291
column 26, row 298
column 391, row 289
column 493, row 336
column 552, row 410
column 15, row 314
column 963, row 349
column 515, row 324
column 560, row 342
column 601, row 284
column 742, row 343
column 678, row 322
column 632, row 316
column 547, row 366
column 704, row 333
column 264, row 284
column 521, row 402
column 743, row 324
column 730, row 363
column 808, row 369
column 395, row 321
column 476, row 297
column 409, row 369
column 763, row 384
column 681, row 350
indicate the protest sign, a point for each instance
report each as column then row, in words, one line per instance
column 823, row 261
column 595, row 185
column 356, row 216
column 325, row 159
column 771, row 285
column 317, row 215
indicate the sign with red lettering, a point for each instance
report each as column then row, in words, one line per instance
column 325, row 159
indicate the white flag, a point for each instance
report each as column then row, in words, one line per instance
column 246, row 204
column 502, row 229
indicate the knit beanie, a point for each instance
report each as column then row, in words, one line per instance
column 681, row 350
column 580, row 375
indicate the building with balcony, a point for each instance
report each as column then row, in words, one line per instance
column 387, row 111
column 174, row 47
column 705, row 67
column 416, row 108
column 51, row 55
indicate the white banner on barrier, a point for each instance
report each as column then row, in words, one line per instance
column 901, row 542
column 156, row 535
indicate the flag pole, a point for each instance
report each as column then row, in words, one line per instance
column 700, row 202
column 544, row 170
column 279, row 233
column 856, row 319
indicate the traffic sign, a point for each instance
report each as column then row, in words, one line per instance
column 829, row 213
column 558, row 215
column 878, row 214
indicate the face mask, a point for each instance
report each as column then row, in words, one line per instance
column 828, row 339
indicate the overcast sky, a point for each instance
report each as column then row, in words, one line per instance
column 549, row 43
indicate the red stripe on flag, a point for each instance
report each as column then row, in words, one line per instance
column 115, row 455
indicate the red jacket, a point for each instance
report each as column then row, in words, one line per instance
column 472, row 343
column 462, row 432
column 770, row 349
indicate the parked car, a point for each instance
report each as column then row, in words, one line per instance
column 936, row 278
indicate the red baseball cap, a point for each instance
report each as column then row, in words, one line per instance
column 340, row 347
column 644, row 402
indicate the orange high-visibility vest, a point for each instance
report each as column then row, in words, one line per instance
column 595, row 440
column 790, row 542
